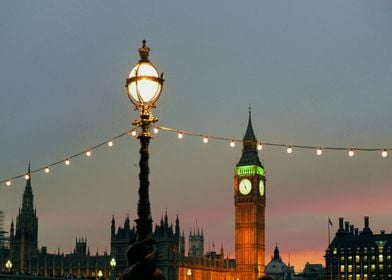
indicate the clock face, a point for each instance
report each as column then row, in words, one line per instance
column 261, row 187
column 245, row 186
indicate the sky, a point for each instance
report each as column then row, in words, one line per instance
column 315, row 72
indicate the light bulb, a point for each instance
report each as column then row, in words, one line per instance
column 260, row 147
column 27, row 176
column 232, row 144
column 88, row 153
column 351, row 153
column 133, row 132
column 8, row 183
column 47, row 170
column 205, row 139
column 319, row 151
column 110, row 143
column 156, row 130
column 384, row 153
column 67, row 162
column 180, row 135
column 289, row 150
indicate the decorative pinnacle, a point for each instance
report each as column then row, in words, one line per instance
column 144, row 52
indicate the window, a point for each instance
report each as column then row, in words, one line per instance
column 342, row 268
column 357, row 258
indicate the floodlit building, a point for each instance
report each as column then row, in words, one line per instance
column 359, row 255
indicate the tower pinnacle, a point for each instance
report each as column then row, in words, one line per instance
column 249, row 152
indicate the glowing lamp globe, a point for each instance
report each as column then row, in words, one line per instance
column 144, row 84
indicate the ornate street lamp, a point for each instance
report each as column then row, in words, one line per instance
column 144, row 87
column 113, row 264
column 100, row 274
column 8, row 266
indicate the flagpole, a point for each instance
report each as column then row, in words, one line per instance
column 329, row 232
column 329, row 243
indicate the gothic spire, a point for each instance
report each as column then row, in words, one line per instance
column 249, row 151
column 249, row 134
column 28, row 198
column 276, row 252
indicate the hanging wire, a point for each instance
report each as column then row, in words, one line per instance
column 66, row 160
column 206, row 137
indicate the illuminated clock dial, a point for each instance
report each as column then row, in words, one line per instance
column 245, row 186
column 261, row 188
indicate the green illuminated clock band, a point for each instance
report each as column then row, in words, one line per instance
column 249, row 170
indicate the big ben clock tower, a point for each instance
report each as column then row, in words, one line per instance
column 249, row 197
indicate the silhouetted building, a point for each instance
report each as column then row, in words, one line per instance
column 359, row 255
column 170, row 245
column 24, row 237
column 4, row 239
column 276, row 268
column 27, row 258
column 313, row 272
column 196, row 243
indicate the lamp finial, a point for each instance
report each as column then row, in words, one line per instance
column 144, row 52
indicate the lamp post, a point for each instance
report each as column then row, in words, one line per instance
column 113, row 264
column 100, row 274
column 189, row 273
column 8, row 266
column 144, row 87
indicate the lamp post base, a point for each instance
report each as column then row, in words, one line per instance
column 142, row 258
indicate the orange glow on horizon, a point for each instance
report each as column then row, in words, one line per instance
column 300, row 258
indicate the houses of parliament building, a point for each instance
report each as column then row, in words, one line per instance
column 175, row 263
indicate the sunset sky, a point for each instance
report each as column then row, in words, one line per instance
column 315, row 72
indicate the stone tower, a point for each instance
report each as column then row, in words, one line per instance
column 24, row 239
column 249, row 199
column 196, row 243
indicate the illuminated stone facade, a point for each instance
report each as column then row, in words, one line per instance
column 249, row 200
column 250, row 210
column 358, row 255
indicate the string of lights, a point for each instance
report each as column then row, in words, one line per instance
column 289, row 148
column 66, row 160
column 205, row 138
